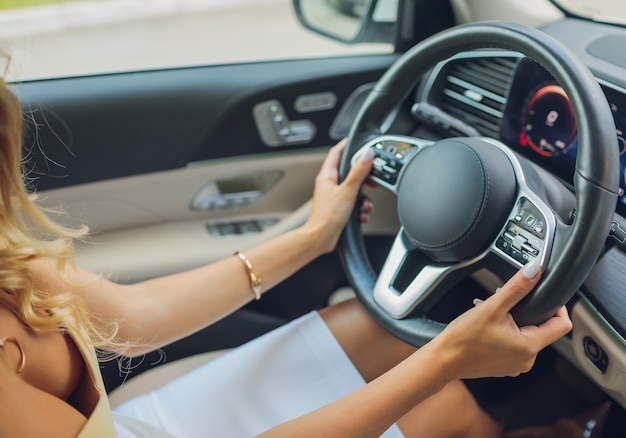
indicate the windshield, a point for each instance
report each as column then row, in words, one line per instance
column 610, row 11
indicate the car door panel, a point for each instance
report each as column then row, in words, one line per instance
column 147, row 218
column 87, row 129
column 126, row 153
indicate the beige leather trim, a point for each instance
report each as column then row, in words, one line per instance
column 142, row 226
column 163, row 197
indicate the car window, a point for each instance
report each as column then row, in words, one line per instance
column 52, row 38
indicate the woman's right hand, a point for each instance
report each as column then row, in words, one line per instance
column 486, row 342
column 333, row 201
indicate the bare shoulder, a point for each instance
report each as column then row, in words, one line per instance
column 39, row 371
column 20, row 401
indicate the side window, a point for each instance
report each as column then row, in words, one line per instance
column 52, row 38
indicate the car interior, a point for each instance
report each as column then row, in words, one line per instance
column 176, row 167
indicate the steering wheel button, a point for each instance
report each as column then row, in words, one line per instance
column 509, row 235
column 512, row 252
column 519, row 241
column 393, row 164
column 504, row 245
column 528, row 248
column 391, row 179
column 530, row 220
column 379, row 163
column 517, row 255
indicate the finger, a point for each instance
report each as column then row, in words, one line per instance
column 341, row 145
column 367, row 206
column 477, row 302
column 557, row 326
column 553, row 329
column 518, row 286
column 361, row 169
column 331, row 162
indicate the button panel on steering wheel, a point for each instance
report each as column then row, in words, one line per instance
column 391, row 152
column 523, row 238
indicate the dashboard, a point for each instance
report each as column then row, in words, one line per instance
column 512, row 98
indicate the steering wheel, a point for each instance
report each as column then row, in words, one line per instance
column 469, row 203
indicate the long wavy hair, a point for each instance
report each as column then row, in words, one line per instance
column 27, row 233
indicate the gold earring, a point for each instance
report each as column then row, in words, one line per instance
column 14, row 341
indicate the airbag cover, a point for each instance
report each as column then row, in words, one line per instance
column 455, row 196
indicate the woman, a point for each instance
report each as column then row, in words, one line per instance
column 53, row 314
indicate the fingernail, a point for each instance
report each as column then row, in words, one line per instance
column 477, row 301
column 531, row 269
column 497, row 290
column 367, row 155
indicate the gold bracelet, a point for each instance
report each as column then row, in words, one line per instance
column 255, row 281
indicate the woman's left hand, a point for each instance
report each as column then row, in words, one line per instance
column 333, row 202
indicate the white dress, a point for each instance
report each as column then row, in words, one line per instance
column 288, row 372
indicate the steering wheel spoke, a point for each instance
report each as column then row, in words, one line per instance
column 409, row 282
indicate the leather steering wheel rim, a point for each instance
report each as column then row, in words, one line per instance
column 577, row 245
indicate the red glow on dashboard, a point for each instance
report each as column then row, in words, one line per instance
column 523, row 141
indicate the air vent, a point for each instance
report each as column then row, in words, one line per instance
column 474, row 90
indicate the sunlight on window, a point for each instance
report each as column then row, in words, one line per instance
column 94, row 36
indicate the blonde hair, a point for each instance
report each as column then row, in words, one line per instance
column 28, row 234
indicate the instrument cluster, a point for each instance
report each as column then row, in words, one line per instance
column 539, row 122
